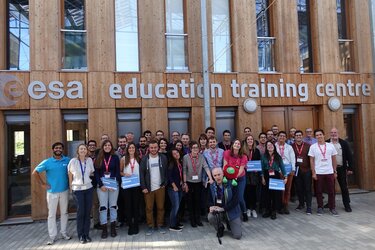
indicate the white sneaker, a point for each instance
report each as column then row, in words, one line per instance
column 65, row 237
column 248, row 213
column 50, row 241
column 254, row 214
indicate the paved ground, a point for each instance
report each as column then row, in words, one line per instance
column 354, row 230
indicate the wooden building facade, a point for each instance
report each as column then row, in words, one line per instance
column 46, row 94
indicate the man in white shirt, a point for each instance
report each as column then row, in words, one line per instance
column 287, row 154
column 323, row 165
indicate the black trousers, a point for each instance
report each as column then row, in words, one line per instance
column 341, row 178
column 303, row 185
column 194, row 201
column 272, row 198
column 131, row 199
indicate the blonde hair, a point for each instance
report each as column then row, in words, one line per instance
column 77, row 150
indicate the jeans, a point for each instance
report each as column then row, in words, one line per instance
column 53, row 199
column 107, row 199
column 84, row 204
column 241, row 192
column 327, row 180
column 175, row 198
column 303, row 185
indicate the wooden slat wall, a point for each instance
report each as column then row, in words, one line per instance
column 193, row 21
column 329, row 119
column 197, row 122
column 46, row 129
column 285, row 28
column 367, row 168
column 21, row 80
column 45, row 42
column 325, row 36
column 151, row 26
column 3, row 21
column 45, row 77
column 154, row 119
column 153, row 78
column 98, row 90
column 3, row 169
column 254, row 121
column 100, row 23
column 102, row 121
column 176, row 79
column 123, row 79
column 244, row 36
column 66, row 103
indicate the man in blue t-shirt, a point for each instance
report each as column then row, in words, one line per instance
column 57, row 185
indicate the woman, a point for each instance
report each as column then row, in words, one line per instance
column 178, row 145
column 252, row 178
column 80, row 169
column 129, row 166
column 107, row 165
column 272, row 165
column 163, row 145
column 203, row 143
column 193, row 164
column 175, row 188
column 234, row 157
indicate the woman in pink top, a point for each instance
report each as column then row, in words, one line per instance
column 235, row 158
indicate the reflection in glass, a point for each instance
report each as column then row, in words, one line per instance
column 222, row 56
column 127, row 58
column 303, row 9
column 18, row 35
column 341, row 18
column 74, row 35
column 175, row 35
column 262, row 13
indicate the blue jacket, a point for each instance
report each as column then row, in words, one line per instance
column 231, row 203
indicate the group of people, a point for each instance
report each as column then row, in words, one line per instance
column 209, row 178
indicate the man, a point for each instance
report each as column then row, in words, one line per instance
column 159, row 134
column 323, row 165
column 213, row 155
column 309, row 136
column 91, row 146
column 224, row 203
column 275, row 131
column 153, row 178
column 303, row 172
column 148, row 135
column 344, row 165
column 142, row 146
column 210, row 131
column 129, row 137
column 262, row 143
column 175, row 137
column 227, row 140
column 270, row 137
column 57, row 186
column 121, row 142
column 287, row 154
column 291, row 138
column 185, row 138
column 247, row 132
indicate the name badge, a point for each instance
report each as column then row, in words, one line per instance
column 271, row 172
column 324, row 160
column 107, row 175
column 218, row 201
column 300, row 160
column 194, row 177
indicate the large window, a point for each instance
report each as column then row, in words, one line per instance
column 266, row 42
column 225, row 119
column 222, row 54
column 74, row 35
column 345, row 43
column 127, row 54
column 129, row 120
column 175, row 36
column 305, row 49
column 18, row 44
column 178, row 120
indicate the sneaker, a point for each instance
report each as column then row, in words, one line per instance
column 162, row 230
column 51, row 241
column 320, row 211
column 180, row 225
column 334, row 212
column 249, row 213
column 175, row 229
column 149, row 231
column 286, row 211
column 254, row 214
column 65, row 237
column 299, row 208
column 308, row 211
column 326, row 205
column 348, row 209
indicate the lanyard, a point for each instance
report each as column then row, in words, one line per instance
column 180, row 170
column 194, row 163
column 141, row 154
column 107, row 163
column 83, row 170
column 298, row 150
column 249, row 157
column 132, row 165
column 281, row 149
column 225, row 146
column 323, row 151
column 270, row 162
column 215, row 160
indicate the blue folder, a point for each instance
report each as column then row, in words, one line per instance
column 288, row 168
column 130, row 181
column 254, row 166
column 276, row 184
column 109, row 183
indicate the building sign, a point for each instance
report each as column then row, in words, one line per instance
column 11, row 88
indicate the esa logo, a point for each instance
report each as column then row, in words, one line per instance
column 11, row 88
